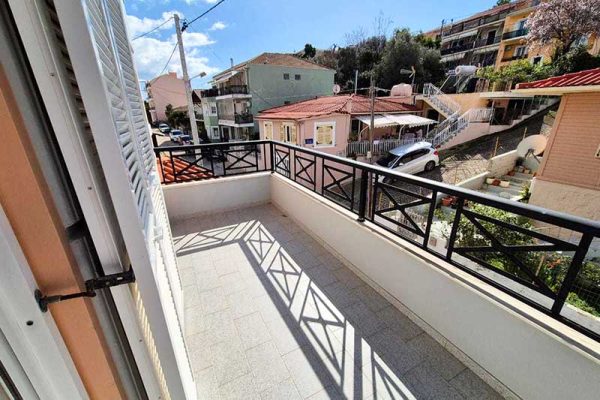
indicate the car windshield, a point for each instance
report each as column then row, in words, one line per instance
column 387, row 160
column 176, row 132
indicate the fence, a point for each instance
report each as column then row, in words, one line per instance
column 379, row 146
column 491, row 238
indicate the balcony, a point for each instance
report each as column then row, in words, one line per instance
column 515, row 57
column 213, row 92
column 457, row 49
column 302, row 279
column 515, row 34
column 233, row 89
column 238, row 119
column 486, row 42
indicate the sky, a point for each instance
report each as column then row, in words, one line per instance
column 242, row 29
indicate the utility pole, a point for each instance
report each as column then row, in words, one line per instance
column 372, row 93
column 186, row 81
column 355, row 80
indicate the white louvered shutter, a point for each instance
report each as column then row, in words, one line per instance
column 131, row 130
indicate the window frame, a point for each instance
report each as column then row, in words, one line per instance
column 323, row 123
column 286, row 76
column 297, row 77
column 293, row 129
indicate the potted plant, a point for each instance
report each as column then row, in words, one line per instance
column 511, row 173
column 447, row 201
column 496, row 182
column 352, row 156
column 489, row 180
column 504, row 183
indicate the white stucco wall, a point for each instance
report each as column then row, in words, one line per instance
column 222, row 194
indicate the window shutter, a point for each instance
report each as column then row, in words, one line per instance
column 282, row 132
column 293, row 135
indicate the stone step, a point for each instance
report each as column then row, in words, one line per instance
column 521, row 175
column 517, row 179
column 513, row 189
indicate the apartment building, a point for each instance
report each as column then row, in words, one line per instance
column 164, row 90
column 265, row 81
column 495, row 37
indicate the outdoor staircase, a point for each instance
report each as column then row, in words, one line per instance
column 454, row 123
column 514, row 192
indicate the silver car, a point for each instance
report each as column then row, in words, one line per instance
column 411, row 158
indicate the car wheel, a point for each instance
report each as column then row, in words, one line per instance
column 430, row 166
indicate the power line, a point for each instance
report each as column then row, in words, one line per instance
column 169, row 60
column 186, row 24
column 152, row 30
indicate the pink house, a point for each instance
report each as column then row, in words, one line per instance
column 326, row 123
column 163, row 90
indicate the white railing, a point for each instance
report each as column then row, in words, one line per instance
column 481, row 114
column 379, row 146
column 441, row 100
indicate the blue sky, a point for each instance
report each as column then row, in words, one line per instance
column 241, row 29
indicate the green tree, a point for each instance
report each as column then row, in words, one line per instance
column 502, row 2
column 309, row 51
column 403, row 51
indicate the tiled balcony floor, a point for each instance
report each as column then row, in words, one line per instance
column 271, row 314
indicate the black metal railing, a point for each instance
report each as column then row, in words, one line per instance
column 214, row 92
column 486, row 42
column 233, row 89
column 515, row 34
column 457, row 48
column 520, row 249
column 237, row 118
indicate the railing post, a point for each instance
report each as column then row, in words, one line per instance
column 574, row 268
column 271, row 153
column 362, row 198
column 455, row 226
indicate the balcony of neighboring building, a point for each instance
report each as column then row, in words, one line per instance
column 235, row 111
column 515, row 34
column 303, row 280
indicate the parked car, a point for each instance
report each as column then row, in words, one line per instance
column 164, row 128
column 175, row 135
column 411, row 158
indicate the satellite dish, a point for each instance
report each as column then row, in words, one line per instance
column 532, row 145
column 336, row 89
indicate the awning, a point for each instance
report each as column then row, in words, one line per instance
column 393, row 120
column 225, row 77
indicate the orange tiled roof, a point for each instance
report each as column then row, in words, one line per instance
column 342, row 104
column 590, row 77
column 192, row 172
column 280, row 59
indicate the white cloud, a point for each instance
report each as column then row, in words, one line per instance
column 138, row 26
column 217, row 26
column 151, row 52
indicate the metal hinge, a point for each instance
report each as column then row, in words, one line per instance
column 91, row 286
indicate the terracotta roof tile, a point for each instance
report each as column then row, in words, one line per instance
column 280, row 59
column 342, row 104
column 590, row 77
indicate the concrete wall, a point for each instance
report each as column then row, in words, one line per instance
column 197, row 198
column 166, row 89
column 526, row 358
column 269, row 89
column 473, row 131
column 468, row 101
column 502, row 164
column 571, row 199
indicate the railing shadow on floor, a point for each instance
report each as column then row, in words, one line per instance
column 336, row 333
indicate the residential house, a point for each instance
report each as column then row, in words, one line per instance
column 326, row 123
column 164, row 90
column 273, row 281
column 265, row 81
column 568, row 178
column 205, row 104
